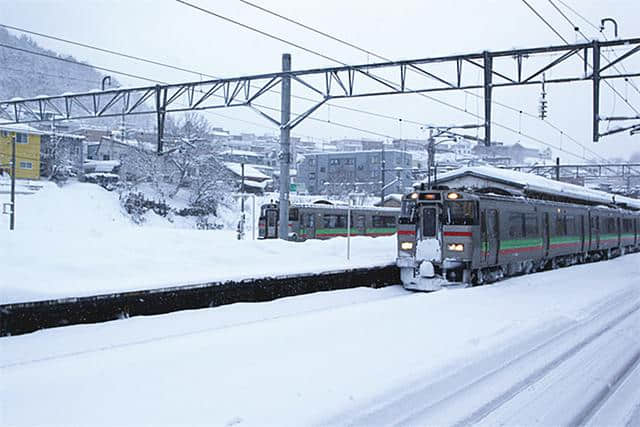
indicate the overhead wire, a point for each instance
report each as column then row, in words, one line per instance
column 338, row 124
column 615, row 91
column 369, row 52
column 627, row 79
column 85, row 45
column 195, row 72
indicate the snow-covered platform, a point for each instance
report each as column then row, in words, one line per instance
column 75, row 242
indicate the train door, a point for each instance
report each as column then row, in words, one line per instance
column 272, row 224
column 545, row 234
column 493, row 236
column 309, row 225
column 360, row 224
column 484, row 238
column 582, row 234
column 594, row 232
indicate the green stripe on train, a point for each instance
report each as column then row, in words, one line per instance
column 355, row 231
column 520, row 243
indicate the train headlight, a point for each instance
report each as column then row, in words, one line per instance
column 414, row 196
column 453, row 196
column 456, row 247
column 406, row 246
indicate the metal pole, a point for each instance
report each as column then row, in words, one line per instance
column 349, row 229
column 285, row 150
column 596, row 90
column 557, row 168
column 12, row 217
column 383, row 165
column 160, row 114
column 430, row 155
column 253, row 220
column 488, row 65
column 242, row 190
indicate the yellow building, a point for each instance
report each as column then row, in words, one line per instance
column 28, row 142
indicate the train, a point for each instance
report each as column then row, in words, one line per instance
column 324, row 220
column 468, row 237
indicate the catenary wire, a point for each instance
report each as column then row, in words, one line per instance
column 382, row 58
column 161, row 82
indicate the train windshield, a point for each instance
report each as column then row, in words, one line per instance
column 461, row 213
column 407, row 212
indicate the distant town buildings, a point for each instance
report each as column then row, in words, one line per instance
column 356, row 171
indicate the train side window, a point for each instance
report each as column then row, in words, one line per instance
column 379, row 221
column 531, row 225
column 610, row 225
column 516, row 225
column 561, row 225
column 293, row 214
column 571, row 225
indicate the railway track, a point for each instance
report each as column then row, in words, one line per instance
column 574, row 372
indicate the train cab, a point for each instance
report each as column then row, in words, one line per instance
column 436, row 232
column 268, row 221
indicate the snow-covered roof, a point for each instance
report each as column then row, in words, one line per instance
column 101, row 165
column 249, row 171
column 255, row 184
column 241, row 153
column 21, row 127
column 535, row 183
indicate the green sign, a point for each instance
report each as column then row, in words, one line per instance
column 293, row 187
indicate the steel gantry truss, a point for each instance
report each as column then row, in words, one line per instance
column 334, row 83
column 350, row 81
column 596, row 170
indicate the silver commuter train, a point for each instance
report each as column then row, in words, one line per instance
column 324, row 220
column 476, row 238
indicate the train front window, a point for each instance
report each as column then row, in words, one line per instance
column 461, row 213
column 428, row 222
column 407, row 212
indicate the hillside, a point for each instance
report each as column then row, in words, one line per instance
column 23, row 74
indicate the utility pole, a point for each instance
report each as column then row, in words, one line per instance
column 285, row 149
column 12, row 217
column 383, row 165
column 557, row 168
column 242, row 190
column 430, row 156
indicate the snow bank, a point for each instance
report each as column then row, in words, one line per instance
column 75, row 241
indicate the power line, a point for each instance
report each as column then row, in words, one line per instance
column 261, row 32
column 199, row 73
column 89, row 46
column 369, row 52
column 70, row 61
column 579, row 55
column 586, row 38
column 161, row 82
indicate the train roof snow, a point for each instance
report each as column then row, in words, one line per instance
column 520, row 183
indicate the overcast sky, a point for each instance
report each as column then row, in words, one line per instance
column 168, row 31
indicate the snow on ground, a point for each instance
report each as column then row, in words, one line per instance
column 75, row 241
column 299, row 361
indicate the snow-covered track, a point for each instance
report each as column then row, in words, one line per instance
column 27, row 317
column 563, row 375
